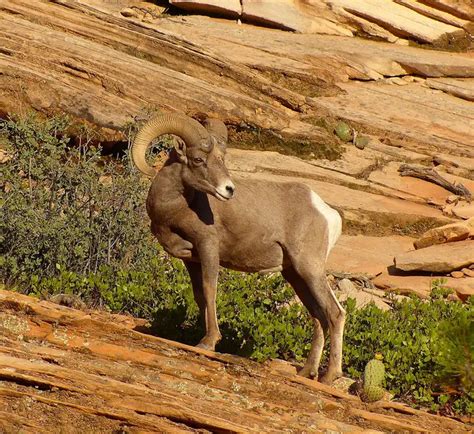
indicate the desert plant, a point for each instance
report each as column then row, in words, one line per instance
column 66, row 207
column 374, row 377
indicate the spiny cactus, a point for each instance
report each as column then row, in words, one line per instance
column 373, row 378
column 343, row 131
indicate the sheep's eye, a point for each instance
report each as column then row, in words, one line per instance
column 198, row 160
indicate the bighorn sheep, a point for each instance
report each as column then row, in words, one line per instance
column 267, row 226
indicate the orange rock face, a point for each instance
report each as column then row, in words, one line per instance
column 62, row 367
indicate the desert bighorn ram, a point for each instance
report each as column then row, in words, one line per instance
column 267, row 226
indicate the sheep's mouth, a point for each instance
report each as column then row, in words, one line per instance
column 221, row 196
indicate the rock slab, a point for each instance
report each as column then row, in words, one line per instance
column 443, row 234
column 86, row 369
column 422, row 285
column 441, row 258
column 227, row 8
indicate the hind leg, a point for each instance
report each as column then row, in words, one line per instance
column 337, row 319
column 311, row 366
column 323, row 305
column 335, row 316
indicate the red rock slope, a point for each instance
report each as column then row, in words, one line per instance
column 64, row 370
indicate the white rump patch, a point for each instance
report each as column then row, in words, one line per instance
column 332, row 217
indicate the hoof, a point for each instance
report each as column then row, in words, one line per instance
column 328, row 378
column 308, row 372
column 205, row 346
column 208, row 343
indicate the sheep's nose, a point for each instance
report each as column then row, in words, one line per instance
column 226, row 190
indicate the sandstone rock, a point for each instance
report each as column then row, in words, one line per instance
column 459, row 8
column 399, row 20
column 289, row 15
column 364, row 254
column 69, row 300
column 470, row 224
column 441, row 258
column 408, row 112
column 366, row 26
column 463, row 210
column 389, row 176
column 419, row 285
column 457, row 274
column 465, row 291
column 437, row 14
column 282, row 366
column 362, row 298
column 462, row 88
column 129, row 13
column 468, row 272
column 443, row 234
column 227, row 8
column 86, row 371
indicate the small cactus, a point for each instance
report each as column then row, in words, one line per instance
column 343, row 131
column 374, row 374
column 361, row 142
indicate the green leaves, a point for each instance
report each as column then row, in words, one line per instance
column 66, row 206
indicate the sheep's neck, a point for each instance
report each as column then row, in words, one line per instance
column 169, row 190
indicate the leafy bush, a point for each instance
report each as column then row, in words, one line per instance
column 412, row 344
column 74, row 222
column 65, row 207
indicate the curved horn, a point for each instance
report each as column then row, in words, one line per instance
column 190, row 130
column 216, row 128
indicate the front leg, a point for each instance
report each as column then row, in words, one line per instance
column 178, row 247
column 204, row 280
column 173, row 244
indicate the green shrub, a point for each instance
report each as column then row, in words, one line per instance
column 454, row 354
column 65, row 207
column 408, row 337
column 74, row 222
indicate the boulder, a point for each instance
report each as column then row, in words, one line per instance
column 465, row 291
column 227, row 8
column 441, row 258
column 443, row 234
column 468, row 272
column 362, row 298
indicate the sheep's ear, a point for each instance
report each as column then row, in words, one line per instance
column 180, row 147
column 219, row 142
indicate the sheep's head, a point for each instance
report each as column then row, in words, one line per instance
column 201, row 152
